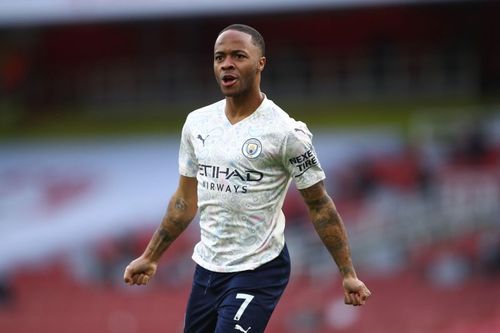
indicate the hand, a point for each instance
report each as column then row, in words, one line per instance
column 355, row 291
column 139, row 271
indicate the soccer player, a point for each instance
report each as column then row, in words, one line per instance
column 236, row 161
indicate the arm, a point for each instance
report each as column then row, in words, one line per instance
column 181, row 210
column 331, row 230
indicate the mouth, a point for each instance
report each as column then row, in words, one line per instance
column 228, row 80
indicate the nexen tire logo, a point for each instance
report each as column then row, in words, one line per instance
column 304, row 162
column 217, row 172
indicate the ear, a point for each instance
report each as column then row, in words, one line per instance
column 261, row 64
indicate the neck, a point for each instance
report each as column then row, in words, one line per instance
column 240, row 107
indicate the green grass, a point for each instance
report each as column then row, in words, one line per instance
column 74, row 122
column 398, row 114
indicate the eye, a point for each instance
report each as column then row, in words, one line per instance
column 218, row 57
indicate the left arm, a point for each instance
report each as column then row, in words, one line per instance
column 331, row 230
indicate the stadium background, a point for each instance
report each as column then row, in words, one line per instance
column 404, row 101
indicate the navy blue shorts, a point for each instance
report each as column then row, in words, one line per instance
column 236, row 302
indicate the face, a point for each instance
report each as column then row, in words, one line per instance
column 237, row 63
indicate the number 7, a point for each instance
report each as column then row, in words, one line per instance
column 247, row 299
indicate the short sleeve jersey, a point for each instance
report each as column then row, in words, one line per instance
column 243, row 172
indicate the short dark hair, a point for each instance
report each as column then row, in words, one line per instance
column 257, row 38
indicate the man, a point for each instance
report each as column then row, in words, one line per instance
column 237, row 158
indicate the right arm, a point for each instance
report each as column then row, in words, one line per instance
column 181, row 210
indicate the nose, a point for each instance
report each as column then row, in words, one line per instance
column 227, row 63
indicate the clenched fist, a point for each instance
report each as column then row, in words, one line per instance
column 355, row 291
column 139, row 271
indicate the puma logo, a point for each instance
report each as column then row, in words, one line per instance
column 199, row 137
column 239, row 328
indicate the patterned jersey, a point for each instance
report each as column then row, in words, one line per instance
column 243, row 172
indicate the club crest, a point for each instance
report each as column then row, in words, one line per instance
column 251, row 148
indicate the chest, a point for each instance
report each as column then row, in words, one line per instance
column 241, row 147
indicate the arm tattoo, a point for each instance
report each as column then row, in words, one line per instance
column 161, row 240
column 329, row 226
column 180, row 204
column 176, row 214
column 174, row 223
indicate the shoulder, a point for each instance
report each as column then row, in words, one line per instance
column 203, row 113
column 288, row 126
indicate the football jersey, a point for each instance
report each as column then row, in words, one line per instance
column 243, row 172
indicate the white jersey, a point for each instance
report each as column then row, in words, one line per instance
column 243, row 172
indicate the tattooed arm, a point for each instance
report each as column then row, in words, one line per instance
column 331, row 230
column 181, row 211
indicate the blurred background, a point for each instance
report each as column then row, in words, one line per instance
column 403, row 98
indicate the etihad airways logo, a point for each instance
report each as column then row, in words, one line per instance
column 242, row 178
column 214, row 171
